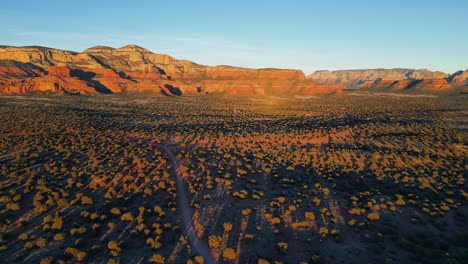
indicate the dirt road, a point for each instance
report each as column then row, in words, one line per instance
column 182, row 203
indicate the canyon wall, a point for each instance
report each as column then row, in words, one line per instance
column 132, row 68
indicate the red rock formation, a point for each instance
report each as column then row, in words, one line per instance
column 57, row 84
column 5, row 72
column 12, row 68
column 50, row 84
column 432, row 85
column 60, row 71
column 18, row 78
column 426, row 85
column 400, row 84
column 234, row 73
column 381, row 84
column 131, row 68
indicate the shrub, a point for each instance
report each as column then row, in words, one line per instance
column 155, row 244
column 59, row 237
column 127, row 217
column 157, row 258
column 246, row 211
column 86, row 200
column 41, row 243
column 355, row 211
column 249, row 237
column 57, row 222
column 214, row 241
column 309, row 215
column 114, row 248
column 282, row 246
column 47, row 260
column 373, row 216
column 227, row 227
column 229, row 254
column 199, row 260
column 116, row 211
column 13, row 206
column 78, row 255
column 325, row 191
column 28, row 245
column 112, row 245
column 323, row 231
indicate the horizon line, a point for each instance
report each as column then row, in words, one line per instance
column 236, row 66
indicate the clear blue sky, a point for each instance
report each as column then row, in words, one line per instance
column 308, row 35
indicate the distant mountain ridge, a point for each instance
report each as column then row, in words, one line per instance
column 459, row 78
column 393, row 79
column 131, row 68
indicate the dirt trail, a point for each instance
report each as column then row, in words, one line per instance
column 182, row 202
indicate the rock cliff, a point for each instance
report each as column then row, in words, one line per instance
column 103, row 69
column 459, row 78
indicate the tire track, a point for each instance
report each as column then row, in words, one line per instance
column 182, row 202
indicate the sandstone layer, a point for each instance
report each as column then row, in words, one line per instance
column 131, row 68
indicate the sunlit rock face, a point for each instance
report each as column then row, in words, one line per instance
column 132, row 68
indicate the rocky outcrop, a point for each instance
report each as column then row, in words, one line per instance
column 460, row 78
column 11, row 68
column 431, row 85
column 58, row 85
column 400, row 85
column 133, row 68
column 426, row 74
column 426, row 85
column 59, row 79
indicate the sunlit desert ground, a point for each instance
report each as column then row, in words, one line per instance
column 353, row 178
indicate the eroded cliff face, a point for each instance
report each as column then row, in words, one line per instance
column 132, row 68
column 103, row 69
column 459, row 78
column 388, row 80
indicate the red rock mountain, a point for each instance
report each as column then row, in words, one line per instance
column 132, row 68
column 392, row 79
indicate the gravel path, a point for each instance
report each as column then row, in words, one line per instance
column 182, row 203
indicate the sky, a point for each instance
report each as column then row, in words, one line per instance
column 307, row 35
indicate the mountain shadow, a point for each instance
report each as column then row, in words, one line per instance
column 88, row 77
column 171, row 90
